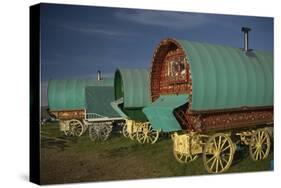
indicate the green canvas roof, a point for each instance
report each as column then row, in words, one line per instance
column 70, row 94
column 132, row 85
column 160, row 112
column 98, row 100
column 225, row 77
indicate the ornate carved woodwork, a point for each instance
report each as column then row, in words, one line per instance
column 69, row 114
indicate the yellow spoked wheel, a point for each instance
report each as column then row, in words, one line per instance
column 183, row 157
column 125, row 131
column 132, row 129
column 133, row 135
column 218, row 153
column 260, row 145
column 146, row 134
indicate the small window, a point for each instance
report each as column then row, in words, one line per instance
column 177, row 68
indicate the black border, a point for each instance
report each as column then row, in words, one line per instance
column 34, row 95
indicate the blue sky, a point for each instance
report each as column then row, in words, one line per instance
column 76, row 41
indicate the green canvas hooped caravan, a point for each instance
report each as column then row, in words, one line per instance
column 83, row 104
column 207, row 95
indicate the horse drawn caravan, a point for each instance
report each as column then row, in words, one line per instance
column 211, row 98
column 83, row 104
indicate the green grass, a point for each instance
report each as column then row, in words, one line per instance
column 80, row 159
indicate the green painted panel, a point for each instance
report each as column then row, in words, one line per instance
column 160, row 112
column 135, row 113
column 98, row 100
column 116, row 106
column 225, row 77
column 70, row 94
column 133, row 86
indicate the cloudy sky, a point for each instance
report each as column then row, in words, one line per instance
column 76, row 41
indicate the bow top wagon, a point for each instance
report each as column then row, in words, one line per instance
column 78, row 104
column 208, row 95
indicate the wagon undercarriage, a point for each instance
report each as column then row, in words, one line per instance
column 140, row 131
column 218, row 149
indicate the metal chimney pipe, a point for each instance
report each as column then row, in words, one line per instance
column 246, row 30
column 99, row 75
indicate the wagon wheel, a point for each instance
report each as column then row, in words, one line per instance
column 133, row 131
column 105, row 131
column 93, row 133
column 125, row 131
column 146, row 134
column 76, row 127
column 99, row 132
column 182, row 157
column 260, row 145
column 69, row 131
column 218, row 153
column 133, row 135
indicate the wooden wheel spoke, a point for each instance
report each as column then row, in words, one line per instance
column 224, row 160
column 263, row 153
column 219, row 144
column 144, row 140
column 151, row 139
column 154, row 133
column 181, row 156
column 215, row 144
column 212, row 158
column 261, row 137
column 141, row 136
column 186, row 157
column 213, row 164
column 223, row 143
column 217, row 165
column 226, row 148
column 260, row 154
column 263, row 140
column 257, row 154
column 221, row 165
column 256, row 150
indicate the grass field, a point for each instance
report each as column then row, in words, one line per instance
column 71, row 159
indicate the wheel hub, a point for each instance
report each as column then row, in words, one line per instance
column 258, row 145
column 217, row 154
